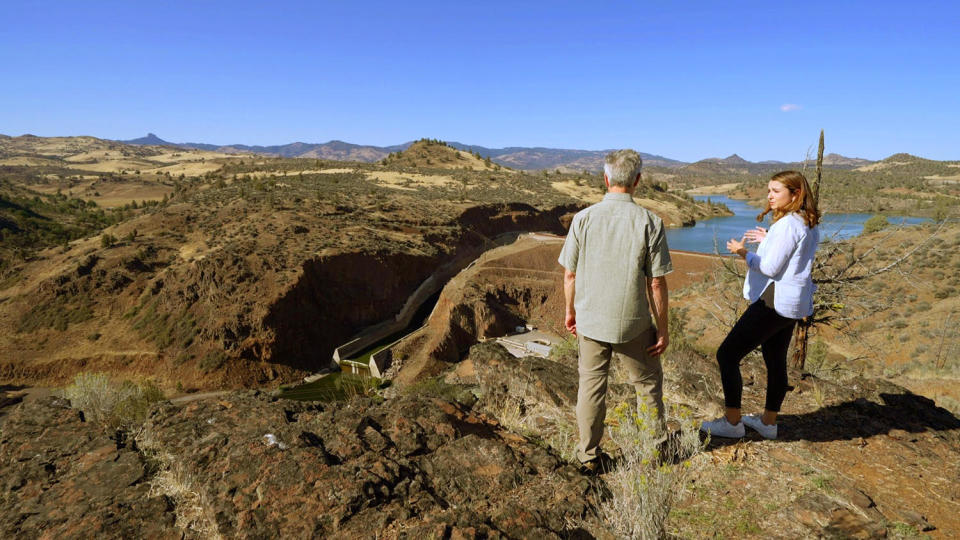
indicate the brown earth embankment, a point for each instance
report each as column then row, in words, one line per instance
column 513, row 285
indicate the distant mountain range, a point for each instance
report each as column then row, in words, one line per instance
column 516, row 157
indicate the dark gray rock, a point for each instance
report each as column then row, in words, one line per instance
column 67, row 478
column 405, row 467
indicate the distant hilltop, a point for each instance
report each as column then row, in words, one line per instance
column 515, row 157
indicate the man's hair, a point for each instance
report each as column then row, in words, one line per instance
column 622, row 167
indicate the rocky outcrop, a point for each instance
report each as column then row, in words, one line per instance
column 67, row 478
column 860, row 459
column 412, row 466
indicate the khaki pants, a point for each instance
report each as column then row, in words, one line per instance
column 646, row 375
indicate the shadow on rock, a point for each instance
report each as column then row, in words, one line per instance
column 900, row 415
column 907, row 413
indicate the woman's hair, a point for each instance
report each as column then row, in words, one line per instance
column 804, row 204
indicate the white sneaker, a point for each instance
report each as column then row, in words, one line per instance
column 721, row 427
column 754, row 422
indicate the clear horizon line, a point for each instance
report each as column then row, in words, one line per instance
column 472, row 144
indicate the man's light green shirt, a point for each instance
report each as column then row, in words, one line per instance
column 613, row 247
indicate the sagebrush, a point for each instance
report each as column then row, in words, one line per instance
column 118, row 404
column 651, row 473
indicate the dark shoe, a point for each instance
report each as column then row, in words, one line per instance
column 601, row 465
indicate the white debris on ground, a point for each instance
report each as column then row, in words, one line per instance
column 271, row 440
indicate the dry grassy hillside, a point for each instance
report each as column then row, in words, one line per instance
column 106, row 172
column 429, row 153
column 898, row 185
column 248, row 273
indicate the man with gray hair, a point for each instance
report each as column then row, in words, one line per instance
column 615, row 257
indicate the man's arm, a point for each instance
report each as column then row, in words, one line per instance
column 657, row 293
column 570, row 318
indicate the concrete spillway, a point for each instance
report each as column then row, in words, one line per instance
column 350, row 356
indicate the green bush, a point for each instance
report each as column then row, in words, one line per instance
column 165, row 329
column 875, row 224
column 566, row 352
column 116, row 404
column 57, row 314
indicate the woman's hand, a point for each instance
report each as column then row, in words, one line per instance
column 736, row 247
column 755, row 236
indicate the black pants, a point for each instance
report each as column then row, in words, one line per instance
column 759, row 325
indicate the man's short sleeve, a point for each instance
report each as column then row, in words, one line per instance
column 658, row 261
column 570, row 254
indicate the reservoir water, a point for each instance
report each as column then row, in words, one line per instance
column 711, row 235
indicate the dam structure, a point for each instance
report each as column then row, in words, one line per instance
column 369, row 353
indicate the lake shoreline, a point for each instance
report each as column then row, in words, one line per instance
column 710, row 235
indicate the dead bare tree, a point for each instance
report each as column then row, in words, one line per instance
column 802, row 331
column 839, row 268
column 835, row 281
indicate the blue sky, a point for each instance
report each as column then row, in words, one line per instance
column 687, row 80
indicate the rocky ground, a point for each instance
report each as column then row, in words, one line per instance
column 483, row 453
column 414, row 466
column 64, row 477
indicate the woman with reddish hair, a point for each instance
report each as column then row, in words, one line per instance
column 780, row 290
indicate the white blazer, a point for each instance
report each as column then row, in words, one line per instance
column 784, row 257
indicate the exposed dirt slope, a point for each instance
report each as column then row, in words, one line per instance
column 518, row 284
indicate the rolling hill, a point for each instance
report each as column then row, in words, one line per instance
column 515, row 157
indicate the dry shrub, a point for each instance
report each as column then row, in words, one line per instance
column 545, row 422
column 117, row 404
column 650, row 475
column 193, row 511
column 565, row 352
